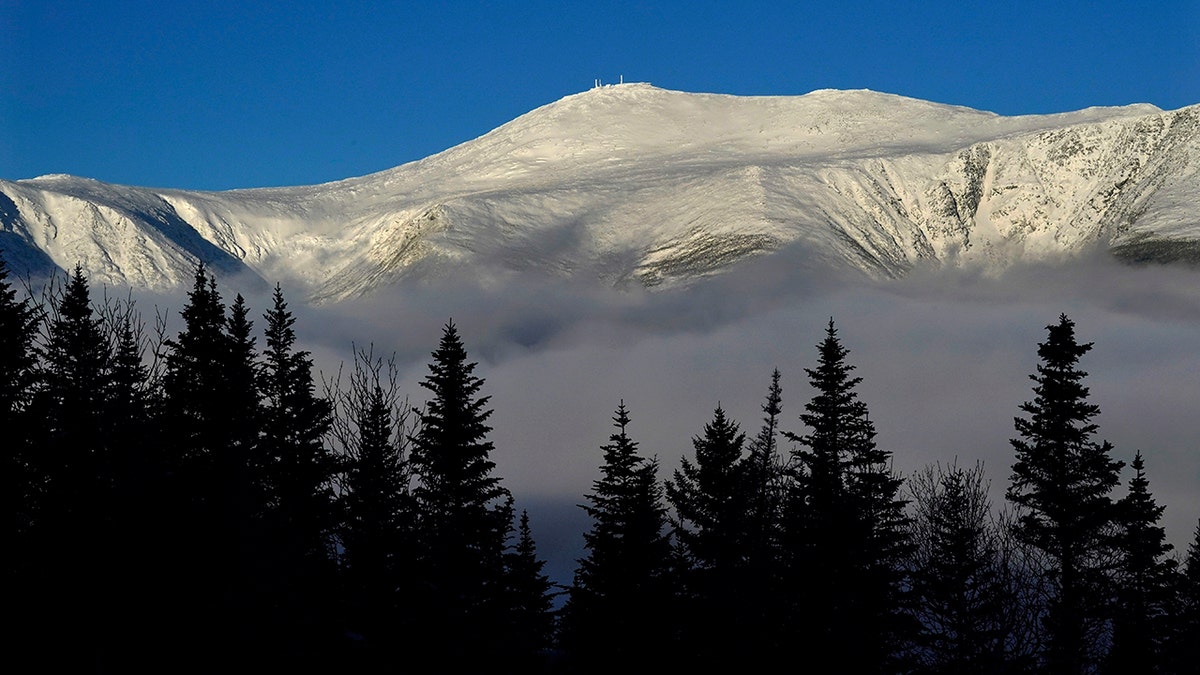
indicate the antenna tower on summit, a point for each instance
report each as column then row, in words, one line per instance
column 597, row 83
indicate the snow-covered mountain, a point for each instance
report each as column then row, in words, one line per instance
column 632, row 184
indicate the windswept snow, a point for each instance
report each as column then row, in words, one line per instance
column 633, row 184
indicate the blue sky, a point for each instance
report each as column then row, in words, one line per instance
column 218, row 95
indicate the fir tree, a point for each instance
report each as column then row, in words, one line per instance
column 765, row 474
column 1145, row 581
column 249, row 458
column 295, row 422
column 1061, row 482
column 201, row 407
column 19, row 320
column 212, row 588
column 24, row 482
column 463, row 512
column 531, row 602
column 77, row 463
column 846, row 531
column 711, row 497
column 621, row 596
column 1183, row 652
column 301, row 517
column 131, row 401
column 75, row 358
column 95, row 468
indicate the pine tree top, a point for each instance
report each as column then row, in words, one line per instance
column 1059, row 469
column 1192, row 567
column 1140, row 515
column 451, row 449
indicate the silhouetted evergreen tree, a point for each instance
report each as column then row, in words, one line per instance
column 75, row 545
column 130, row 403
column 23, row 482
column 845, row 527
column 71, row 402
column 709, row 495
column 1145, row 579
column 963, row 585
column 371, row 428
column 301, row 517
column 463, row 514
column 194, row 380
column 616, row 613
column 766, row 476
column 19, row 319
column 211, row 596
column 88, row 545
column 765, row 472
column 253, row 462
column 1061, row 482
column 531, row 594
column 1183, row 652
column 712, row 499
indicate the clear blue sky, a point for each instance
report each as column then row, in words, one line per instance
column 217, row 95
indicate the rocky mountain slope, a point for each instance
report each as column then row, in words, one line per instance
column 632, row 184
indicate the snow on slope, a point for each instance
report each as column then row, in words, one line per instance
column 632, row 184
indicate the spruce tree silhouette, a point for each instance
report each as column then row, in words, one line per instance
column 300, row 517
column 463, row 516
column 87, row 547
column 1061, row 484
column 22, row 478
column 766, row 476
column 530, row 624
column 708, row 494
column 75, row 357
column 1146, row 581
column 845, row 526
column 765, row 473
column 209, row 597
column 78, row 464
column 712, row 496
column 19, row 320
column 131, row 400
column 615, row 615
column 1184, row 649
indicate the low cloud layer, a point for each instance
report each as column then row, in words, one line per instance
column 945, row 359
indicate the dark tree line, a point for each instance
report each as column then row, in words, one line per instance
column 195, row 502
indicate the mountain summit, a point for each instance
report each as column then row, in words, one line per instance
column 633, row 184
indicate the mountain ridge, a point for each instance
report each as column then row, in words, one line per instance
column 632, row 184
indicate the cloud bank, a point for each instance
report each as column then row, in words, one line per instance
column 945, row 357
